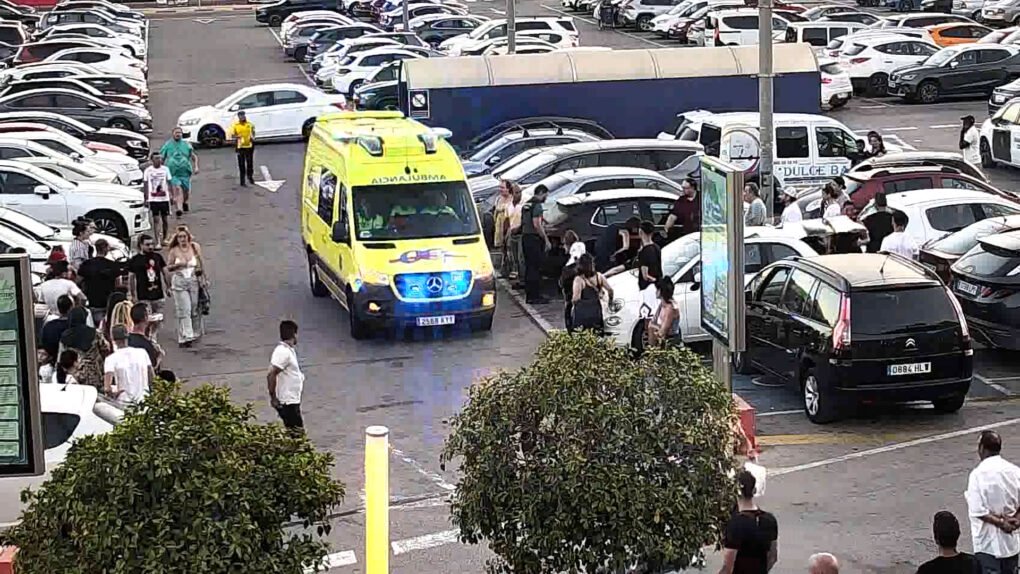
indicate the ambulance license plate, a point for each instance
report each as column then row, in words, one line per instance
column 435, row 321
column 910, row 369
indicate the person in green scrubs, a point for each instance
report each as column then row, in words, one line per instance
column 182, row 161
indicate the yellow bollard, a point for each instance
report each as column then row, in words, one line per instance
column 377, row 494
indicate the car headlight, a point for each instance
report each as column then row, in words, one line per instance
column 373, row 277
column 135, row 204
column 616, row 305
column 908, row 77
column 134, row 143
column 998, row 98
column 613, row 321
column 189, row 122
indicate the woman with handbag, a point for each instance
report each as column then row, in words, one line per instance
column 187, row 279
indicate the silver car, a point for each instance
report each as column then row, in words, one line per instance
column 591, row 179
column 508, row 145
column 1001, row 13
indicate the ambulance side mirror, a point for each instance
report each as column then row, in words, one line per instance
column 340, row 233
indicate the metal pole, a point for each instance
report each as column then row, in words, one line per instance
column 511, row 26
column 767, row 132
column 407, row 27
column 377, row 495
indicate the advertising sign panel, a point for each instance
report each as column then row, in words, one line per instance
column 722, row 252
column 21, row 445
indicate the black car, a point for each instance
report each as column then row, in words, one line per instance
column 590, row 214
column 113, row 84
column 940, row 254
column 379, row 92
column 273, row 14
column 843, row 329
column 986, row 280
column 100, row 17
column 434, row 31
column 104, row 6
column 69, row 83
column 137, row 145
column 967, row 70
column 1002, row 95
column 19, row 14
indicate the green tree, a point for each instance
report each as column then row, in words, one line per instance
column 590, row 461
column 189, row 483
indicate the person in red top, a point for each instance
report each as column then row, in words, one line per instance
column 686, row 214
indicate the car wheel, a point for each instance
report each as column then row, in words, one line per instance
column 928, row 92
column 878, row 85
column 741, row 364
column 120, row 124
column 300, row 53
column 109, row 223
column 306, row 129
column 359, row 330
column 275, row 20
column 819, row 404
column 644, row 22
column 353, row 87
column 949, row 404
column 211, row 136
column 986, row 154
column 318, row 289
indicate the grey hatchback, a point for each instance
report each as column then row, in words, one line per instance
column 84, row 108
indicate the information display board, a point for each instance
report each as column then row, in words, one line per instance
column 21, row 444
column 722, row 252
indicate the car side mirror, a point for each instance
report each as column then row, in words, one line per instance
column 76, row 156
column 41, row 190
column 492, row 160
column 954, row 64
column 93, row 106
column 233, row 108
column 340, row 233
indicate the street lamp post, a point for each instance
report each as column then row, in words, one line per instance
column 766, row 132
column 511, row 26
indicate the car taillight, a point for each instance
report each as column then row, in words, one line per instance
column 858, row 60
column 575, row 41
column 717, row 36
column 826, row 80
column 996, row 293
column 964, row 330
column 841, row 332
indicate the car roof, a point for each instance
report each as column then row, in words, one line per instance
column 948, row 25
column 623, row 144
column 870, row 269
column 49, row 91
column 615, row 194
column 609, row 171
column 752, row 118
column 883, row 171
column 67, row 399
column 385, row 49
column 971, row 47
column 542, row 132
column 914, row 197
column 279, row 86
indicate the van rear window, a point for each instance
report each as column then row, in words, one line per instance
column 710, row 136
column 899, row 310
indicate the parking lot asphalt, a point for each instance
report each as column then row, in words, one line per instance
column 898, row 466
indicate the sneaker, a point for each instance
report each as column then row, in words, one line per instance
column 185, row 206
column 243, row 184
column 251, row 181
column 178, row 213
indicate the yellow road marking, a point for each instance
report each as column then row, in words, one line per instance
column 834, row 438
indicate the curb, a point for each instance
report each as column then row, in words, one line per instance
column 533, row 313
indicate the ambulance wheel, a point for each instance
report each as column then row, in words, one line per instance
column 318, row 289
column 359, row 330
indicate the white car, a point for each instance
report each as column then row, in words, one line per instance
column 116, row 209
column 56, row 235
column 739, row 27
column 1000, row 136
column 532, row 47
column 290, row 21
column 353, row 71
column 69, row 412
column 99, row 32
column 44, row 70
column 72, row 170
column 933, row 213
column 124, row 49
column 553, row 40
column 331, row 60
column 125, row 166
column 836, row 87
column 277, row 110
column 681, row 261
column 106, row 60
column 870, row 59
column 395, row 17
column 497, row 29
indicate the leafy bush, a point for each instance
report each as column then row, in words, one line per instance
column 590, row 461
column 189, row 484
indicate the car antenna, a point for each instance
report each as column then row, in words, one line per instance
column 881, row 270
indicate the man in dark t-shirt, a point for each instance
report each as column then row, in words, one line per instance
column 946, row 529
column 139, row 336
column 649, row 257
column 49, row 335
column 750, row 537
column 685, row 217
column 98, row 279
column 149, row 282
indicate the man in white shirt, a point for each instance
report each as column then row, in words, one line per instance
column 898, row 241
column 286, row 382
column 50, row 290
column 127, row 372
column 792, row 212
column 993, row 502
column 156, row 188
column 969, row 137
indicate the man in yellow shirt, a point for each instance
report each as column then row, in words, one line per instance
column 243, row 132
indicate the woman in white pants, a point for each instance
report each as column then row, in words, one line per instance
column 186, row 268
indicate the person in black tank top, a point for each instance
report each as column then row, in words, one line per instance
column 751, row 534
column 587, row 301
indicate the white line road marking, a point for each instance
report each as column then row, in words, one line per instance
column 594, row 23
column 205, row 20
column 903, row 129
column 268, row 183
column 994, row 385
column 426, row 541
column 500, row 12
column 944, row 126
column 434, row 477
column 892, row 447
column 336, row 560
column 1003, row 378
column 876, row 107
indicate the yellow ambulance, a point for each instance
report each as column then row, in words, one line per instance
column 389, row 225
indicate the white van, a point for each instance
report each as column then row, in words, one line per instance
column 808, row 149
column 739, row 27
column 819, row 34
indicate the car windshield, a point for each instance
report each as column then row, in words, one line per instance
column 414, row 211
column 557, row 186
column 941, row 57
column 902, row 310
column 33, row 227
column 484, row 153
column 988, row 261
column 12, row 239
column 525, row 163
column 678, row 254
column 962, row 241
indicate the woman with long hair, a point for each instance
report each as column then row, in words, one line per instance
column 589, row 285
column 664, row 324
column 575, row 249
column 89, row 344
column 187, row 271
column 67, row 368
column 116, row 298
column 877, row 144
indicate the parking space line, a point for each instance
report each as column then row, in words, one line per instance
column 778, row 413
column 944, row 126
column 832, row 438
column 336, row 560
column 892, row 447
column 434, row 477
column 423, row 542
column 903, row 129
column 993, row 385
column 500, row 12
